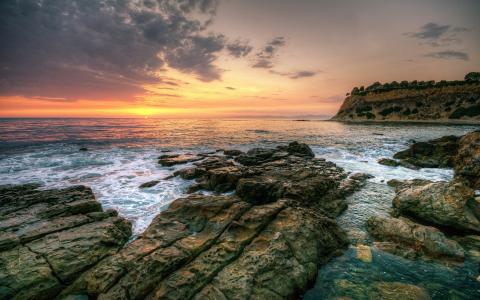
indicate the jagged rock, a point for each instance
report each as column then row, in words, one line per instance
column 467, row 161
column 232, row 152
column 49, row 237
column 204, row 247
column 448, row 204
column 406, row 238
column 298, row 149
column 200, row 168
column 436, row 153
column 149, row 184
column 177, row 159
column 258, row 156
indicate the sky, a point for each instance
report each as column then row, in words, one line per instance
column 225, row 58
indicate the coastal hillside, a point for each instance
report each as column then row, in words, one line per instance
column 443, row 101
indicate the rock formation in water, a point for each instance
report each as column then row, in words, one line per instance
column 430, row 219
column 50, row 237
column 443, row 101
column 266, row 241
column 460, row 153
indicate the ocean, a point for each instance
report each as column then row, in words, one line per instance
column 122, row 154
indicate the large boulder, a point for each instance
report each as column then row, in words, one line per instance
column 436, row 153
column 467, row 161
column 447, row 204
column 258, row 156
column 407, row 238
column 50, row 237
column 217, row 247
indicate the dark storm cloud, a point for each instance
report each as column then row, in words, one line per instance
column 438, row 35
column 264, row 58
column 449, row 54
column 98, row 49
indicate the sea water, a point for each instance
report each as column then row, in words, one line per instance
column 122, row 154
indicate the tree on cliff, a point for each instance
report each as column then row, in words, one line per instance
column 472, row 76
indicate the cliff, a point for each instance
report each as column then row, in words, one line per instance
column 444, row 101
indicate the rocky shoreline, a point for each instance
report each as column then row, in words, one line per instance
column 434, row 220
column 257, row 224
column 267, row 239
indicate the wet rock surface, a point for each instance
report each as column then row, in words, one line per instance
column 447, row 204
column 206, row 247
column 436, row 153
column 49, row 237
column 270, row 174
column 403, row 237
column 169, row 160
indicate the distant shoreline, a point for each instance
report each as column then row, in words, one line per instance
column 440, row 122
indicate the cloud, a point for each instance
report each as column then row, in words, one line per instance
column 264, row 58
column 230, row 88
column 449, row 54
column 296, row 75
column 239, row 48
column 105, row 49
column 437, row 35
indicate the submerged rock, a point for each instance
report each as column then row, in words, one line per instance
column 403, row 237
column 50, row 237
column 149, row 184
column 211, row 247
column 448, row 204
column 400, row 291
column 388, row 162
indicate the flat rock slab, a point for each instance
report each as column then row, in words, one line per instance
column 178, row 159
column 217, row 247
column 49, row 237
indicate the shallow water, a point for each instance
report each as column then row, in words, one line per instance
column 122, row 155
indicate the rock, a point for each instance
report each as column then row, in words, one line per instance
column 200, row 168
column 50, row 237
column 149, row 184
column 258, row 156
column 406, row 238
column 177, row 159
column 298, row 149
column 436, row 153
column 301, row 179
column 467, row 161
column 393, row 163
column 401, row 291
column 364, row 253
column 83, row 149
column 388, row 162
column 450, row 205
column 205, row 247
column 232, row 152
